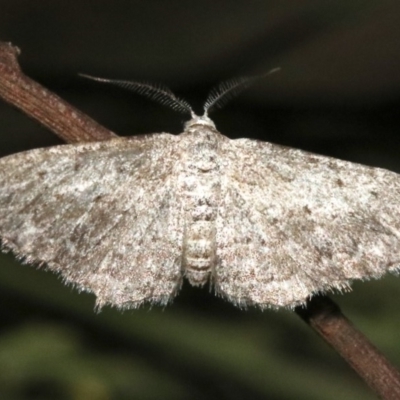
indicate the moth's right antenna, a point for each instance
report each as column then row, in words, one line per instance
column 227, row 90
column 159, row 93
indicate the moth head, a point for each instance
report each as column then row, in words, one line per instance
column 204, row 120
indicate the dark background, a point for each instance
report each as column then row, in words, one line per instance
column 338, row 93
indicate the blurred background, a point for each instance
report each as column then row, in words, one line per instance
column 338, row 94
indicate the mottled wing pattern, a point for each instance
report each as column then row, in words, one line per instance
column 291, row 224
column 97, row 213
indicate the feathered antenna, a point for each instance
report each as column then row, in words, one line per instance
column 227, row 90
column 159, row 93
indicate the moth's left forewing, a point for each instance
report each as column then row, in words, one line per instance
column 293, row 223
column 105, row 215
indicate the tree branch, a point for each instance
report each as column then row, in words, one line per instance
column 326, row 318
column 42, row 105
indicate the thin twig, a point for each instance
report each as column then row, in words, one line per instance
column 44, row 106
column 326, row 318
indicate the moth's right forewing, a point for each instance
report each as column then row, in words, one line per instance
column 292, row 224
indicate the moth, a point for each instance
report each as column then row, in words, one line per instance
column 128, row 219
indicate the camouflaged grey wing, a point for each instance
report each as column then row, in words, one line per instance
column 292, row 224
column 97, row 213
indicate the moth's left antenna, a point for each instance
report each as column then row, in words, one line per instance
column 159, row 93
